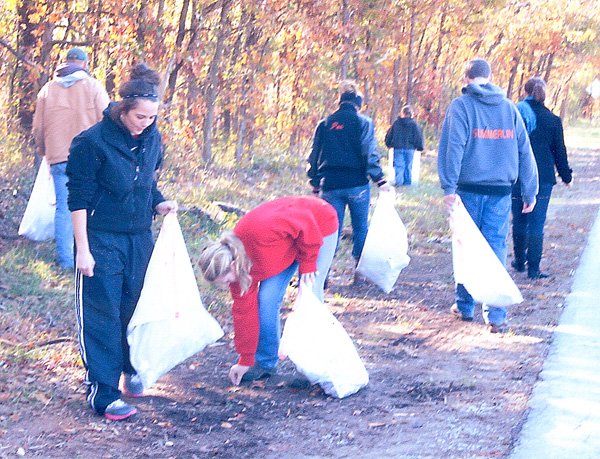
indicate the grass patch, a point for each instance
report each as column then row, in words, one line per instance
column 582, row 135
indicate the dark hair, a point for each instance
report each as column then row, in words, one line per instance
column 143, row 84
column 407, row 111
column 478, row 68
column 536, row 88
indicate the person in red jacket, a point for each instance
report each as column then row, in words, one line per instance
column 257, row 261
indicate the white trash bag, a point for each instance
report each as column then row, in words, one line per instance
column 416, row 168
column 385, row 251
column 476, row 266
column 38, row 220
column 321, row 349
column 170, row 323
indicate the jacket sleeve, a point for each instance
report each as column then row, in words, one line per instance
column 245, row 322
column 559, row 152
column 528, row 171
column 389, row 137
column 37, row 128
column 453, row 141
column 82, row 167
column 420, row 142
column 157, row 196
column 315, row 156
column 368, row 146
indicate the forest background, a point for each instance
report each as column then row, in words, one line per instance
column 247, row 81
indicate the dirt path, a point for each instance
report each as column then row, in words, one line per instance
column 439, row 387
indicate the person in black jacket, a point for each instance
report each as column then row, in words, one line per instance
column 547, row 141
column 343, row 157
column 112, row 198
column 404, row 136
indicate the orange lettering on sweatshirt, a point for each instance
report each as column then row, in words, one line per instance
column 493, row 133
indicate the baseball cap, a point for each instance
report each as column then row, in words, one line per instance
column 77, row 54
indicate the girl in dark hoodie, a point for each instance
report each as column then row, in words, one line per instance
column 112, row 198
column 547, row 142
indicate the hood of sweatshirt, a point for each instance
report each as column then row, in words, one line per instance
column 488, row 93
column 69, row 74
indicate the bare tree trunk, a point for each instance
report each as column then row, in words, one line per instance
column 395, row 90
column 549, row 67
column 347, row 41
column 25, row 94
column 142, row 20
column 409, row 67
column 172, row 82
column 212, row 82
column 440, row 40
column 513, row 75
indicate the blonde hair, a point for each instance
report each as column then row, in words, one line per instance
column 348, row 86
column 221, row 256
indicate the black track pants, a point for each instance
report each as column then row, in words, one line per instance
column 105, row 304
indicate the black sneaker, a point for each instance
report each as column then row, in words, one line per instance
column 257, row 372
column 518, row 266
column 537, row 275
column 457, row 313
column 497, row 328
column 119, row 410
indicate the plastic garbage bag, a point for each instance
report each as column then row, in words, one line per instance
column 170, row 323
column 416, row 168
column 321, row 349
column 38, row 220
column 476, row 266
column 384, row 254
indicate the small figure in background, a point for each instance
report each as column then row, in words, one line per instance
column 404, row 136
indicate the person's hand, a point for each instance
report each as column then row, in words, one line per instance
column 236, row 372
column 165, row 207
column 307, row 280
column 449, row 201
column 84, row 261
column 527, row 208
column 386, row 187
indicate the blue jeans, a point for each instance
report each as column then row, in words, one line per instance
column 528, row 229
column 357, row 199
column 270, row 296
column 63, row 228
column 491, row 214
column 403, row 160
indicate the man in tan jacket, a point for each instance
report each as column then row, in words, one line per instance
column 68, row 104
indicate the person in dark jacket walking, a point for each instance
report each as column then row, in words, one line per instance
column 547, row 141
column 342, row 159
column 404, row 136
column 112, row 198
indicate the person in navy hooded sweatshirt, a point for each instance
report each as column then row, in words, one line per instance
column 483, row 149
column 113, row 197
